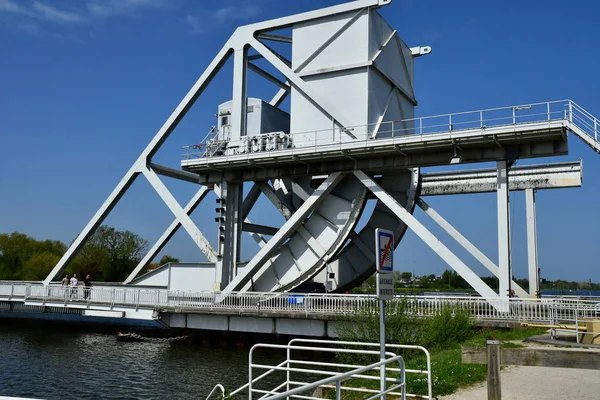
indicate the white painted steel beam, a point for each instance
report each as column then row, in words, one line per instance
column 279, row 203
column 466, row 244
column 144, row 158
column 284, row 232
column 545, row 176
column 504, row 260
column 279, row 97
column 250, row 200
column 175, row 173
column 168, row 234
column 269, row 77
column 180, row 214
column 95, row 222
column 532, row 251
column 256, row 228
column 434, row 243
column 239, row 103
column 302, row 86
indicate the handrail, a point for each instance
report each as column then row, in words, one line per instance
column 217, row 386
column 390, row 345
column 128, row 297
column 336, row 377
column 566, row 111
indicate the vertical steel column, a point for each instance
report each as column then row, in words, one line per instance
column 239, row 100
column 230, row 231
column 503, row 230
column 532, row 253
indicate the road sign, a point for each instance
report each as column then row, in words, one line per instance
column 385, row 285
column 384, row 248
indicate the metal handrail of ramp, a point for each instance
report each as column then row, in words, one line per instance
column 298, row 389
column 426, row 372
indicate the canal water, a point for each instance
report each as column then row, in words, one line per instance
column 50, row 362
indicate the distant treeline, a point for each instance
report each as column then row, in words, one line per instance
column 109, row 255
column 450, row 280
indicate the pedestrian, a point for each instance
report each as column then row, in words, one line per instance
column 87, row 283
column 65, row 285
column 74, row 283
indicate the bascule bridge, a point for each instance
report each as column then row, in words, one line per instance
column 350, row 135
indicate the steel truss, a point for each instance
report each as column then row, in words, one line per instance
column 238, row 45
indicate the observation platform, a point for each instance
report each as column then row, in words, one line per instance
column 525, row 131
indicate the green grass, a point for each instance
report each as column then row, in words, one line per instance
column 448, row 372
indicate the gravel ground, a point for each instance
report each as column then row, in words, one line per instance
column 528, row 383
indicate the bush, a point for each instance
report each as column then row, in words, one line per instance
column 448, row 327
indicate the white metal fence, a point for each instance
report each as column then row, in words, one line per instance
column 298, row 371
column 545, row 310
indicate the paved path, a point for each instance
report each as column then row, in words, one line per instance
column 529, row 383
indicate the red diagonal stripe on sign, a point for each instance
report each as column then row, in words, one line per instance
column 385, row 252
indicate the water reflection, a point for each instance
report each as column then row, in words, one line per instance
column 56, row 364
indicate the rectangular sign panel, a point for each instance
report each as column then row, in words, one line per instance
column 384, row 248
column 385, row 285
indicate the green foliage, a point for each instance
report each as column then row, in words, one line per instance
column 449, row 326
column 167, row 259
column 109, row 254
column 24, row 258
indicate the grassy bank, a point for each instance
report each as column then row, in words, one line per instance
column 443, row 335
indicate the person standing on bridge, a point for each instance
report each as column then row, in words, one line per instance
column 87, row 283
column 65, row 285
column 74, row 283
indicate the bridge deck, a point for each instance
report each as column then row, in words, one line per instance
column 144, row 303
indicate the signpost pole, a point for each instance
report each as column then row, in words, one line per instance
column 382, row 385
column 384, row 248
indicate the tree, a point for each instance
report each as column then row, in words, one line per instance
column 109, row 254
column 167, row 259
column 406, row 276
column 23, row 257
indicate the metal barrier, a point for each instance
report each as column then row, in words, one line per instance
column 293, row 388
column 387, row 345
column 546, row 310
column 553, row 111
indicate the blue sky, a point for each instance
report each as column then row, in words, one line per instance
column 85, row 84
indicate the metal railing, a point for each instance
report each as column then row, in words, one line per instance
column 296, row 369
column 426, row 372
column 549, row 310
column 478, row 120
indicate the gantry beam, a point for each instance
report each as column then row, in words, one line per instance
column 545, row 176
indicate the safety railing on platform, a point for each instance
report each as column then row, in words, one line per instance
column 563, row 110
column 293, row 383
column 551, row 310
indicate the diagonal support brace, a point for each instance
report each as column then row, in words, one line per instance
column 180, row 214
column 434, row 243
column 168, row 234
column 466, row 244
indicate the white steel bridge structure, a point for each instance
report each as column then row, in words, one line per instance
column 350, row 135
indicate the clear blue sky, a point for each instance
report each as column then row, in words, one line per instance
column 85, row 84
